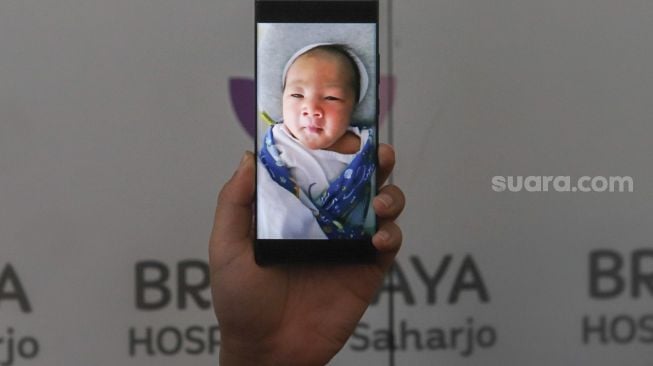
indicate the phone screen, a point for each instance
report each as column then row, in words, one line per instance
column 316, row 145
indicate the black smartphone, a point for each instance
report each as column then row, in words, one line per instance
column 317, row 79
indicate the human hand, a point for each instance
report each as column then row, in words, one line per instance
column 291, row 314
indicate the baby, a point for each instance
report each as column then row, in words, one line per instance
column 315, row 169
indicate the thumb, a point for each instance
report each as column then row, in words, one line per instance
column 233, row 215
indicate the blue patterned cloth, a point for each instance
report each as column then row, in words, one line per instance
column 342, row 207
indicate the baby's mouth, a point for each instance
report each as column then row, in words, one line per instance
column 313, row 129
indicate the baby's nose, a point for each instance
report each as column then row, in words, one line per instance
column 312, row 110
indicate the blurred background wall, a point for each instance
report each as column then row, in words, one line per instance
column 120, row 120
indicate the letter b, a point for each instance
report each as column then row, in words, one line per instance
column 154, row 285
column 605, row 268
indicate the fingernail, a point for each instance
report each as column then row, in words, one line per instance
column 384, row 235
column 243, row 160
column 385, row 199
column 243, row 163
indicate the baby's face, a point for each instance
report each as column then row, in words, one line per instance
column 318, row 99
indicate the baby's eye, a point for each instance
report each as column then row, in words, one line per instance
column 331, row 97
column 296, row 95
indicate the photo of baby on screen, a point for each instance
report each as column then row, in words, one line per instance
column 316, row 164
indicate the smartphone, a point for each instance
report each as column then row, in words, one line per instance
column 317, row 78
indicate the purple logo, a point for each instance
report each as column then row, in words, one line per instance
column 242, row 91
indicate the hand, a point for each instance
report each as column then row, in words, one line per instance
column 294, row 314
